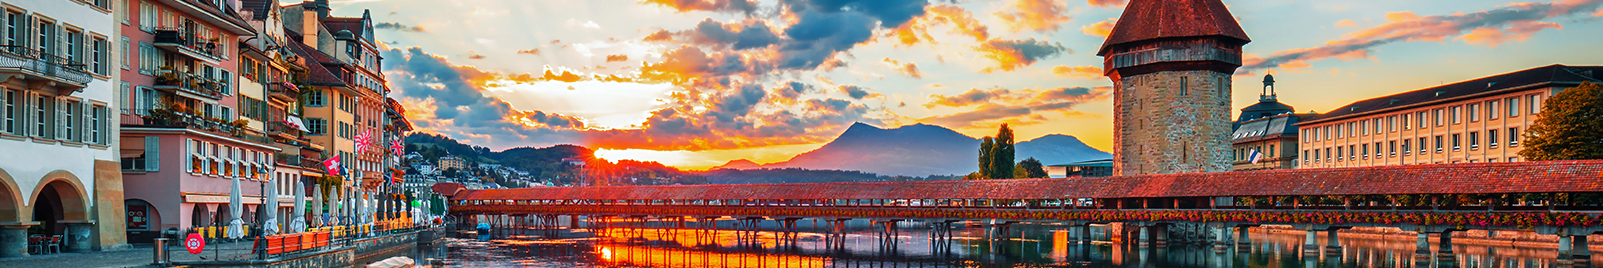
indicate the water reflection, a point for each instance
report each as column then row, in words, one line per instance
column 862, row 244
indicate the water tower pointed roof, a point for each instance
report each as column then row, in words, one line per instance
column 1155, row 19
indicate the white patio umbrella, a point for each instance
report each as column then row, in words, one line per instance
column 236, row 228
column 317, row 204
column 270, row 208
column 298, row 220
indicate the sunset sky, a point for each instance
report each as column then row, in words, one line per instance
column 696, row 83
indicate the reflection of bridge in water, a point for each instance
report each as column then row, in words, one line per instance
column 1215, row 208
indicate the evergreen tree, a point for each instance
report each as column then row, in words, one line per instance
column 1032, row 168
column 1002, row 154
column 1571, row 126
column 985, row 158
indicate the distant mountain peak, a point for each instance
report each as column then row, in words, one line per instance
column 738, row 164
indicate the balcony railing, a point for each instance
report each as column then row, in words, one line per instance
column 33, row 63
column 189, row 83
column 175, row 119
column 282, row 90
column 192, row 46
column 298, row 160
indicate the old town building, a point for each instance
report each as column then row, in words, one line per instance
column 1265, row 134
column 345, row 90
column 58, row 100
column 1477, row 120
column 1171, row 62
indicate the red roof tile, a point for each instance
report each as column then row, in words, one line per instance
column 316, row 73
column 1516, row 177
column 1154, row 19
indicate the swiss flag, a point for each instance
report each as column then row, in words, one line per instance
column 332, row 164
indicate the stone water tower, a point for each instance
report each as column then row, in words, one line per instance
column 1171, row 62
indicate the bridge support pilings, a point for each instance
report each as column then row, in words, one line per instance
column 1083, row 233
column 1444, row 247
column 1221, row 236
column 1566, row 247
column 1581, row 255
column 1243, row 240
column 1333, row 242
column 1310, row 244
column 1422, row 246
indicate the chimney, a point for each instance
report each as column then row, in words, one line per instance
column 322, row 9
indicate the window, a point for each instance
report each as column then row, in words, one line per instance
column 147, row 16
column 1305, row 156
column 1513, row 136
column 227, row 114
column 1491, row 110
column 1455, row 142
column 98, row 58
column 1350, row 130
column 1422, row 146
column 1377, row 151
column 12, row 111
column 44, row 108
column 1376, row 126
column 1366, row 151
column 1437, row 115
column 1183, row 88
column 1536, row 104
column 316, row 125
column 1438, row 143
column 1405, row 147
column 1474, row 140
column 1406, row 125
column 1513, row 107
column 71, row 121
column 1454, row 112
column 1420, row 116
column 226, row 81
column 197, row 156
column 97, row 125
column 1491, row 138
column 1352, row 152
column 1391, row 148
column 314, row 98
column 127, row 53
column 1472, row 109
column 1391, row 123
column 1363, row 126
column 1270, row 152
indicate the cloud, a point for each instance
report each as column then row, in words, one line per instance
column 742, row 6
column 617, row 58
column 532, row 51
column 962, row 22
column 474, row 55
column 1035, row 15
column 999, row 104
column 399, row 27
column 1513, row 22
column 1346, row 23
column 909, row 68
column 1099, row 29
column 451, row 99
column 1083, row 71
column 661, row 35
column 1107, row 3
column 857, row 92
column 754, row 34
column 1012, row 54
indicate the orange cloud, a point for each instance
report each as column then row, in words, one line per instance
column 917, row 30
column 1516, row 21
column 1346, row 23
column 909, row 68
column 1100, row 28
column 1035, row 15
column 1106, row 3
column 1083, row 71
column 1023, row 105
column 1012, row 54
column 745, row 6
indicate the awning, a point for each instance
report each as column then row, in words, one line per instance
column 296, row 122
column 131, row 148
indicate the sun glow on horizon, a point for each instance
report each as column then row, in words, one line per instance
column 702, row 160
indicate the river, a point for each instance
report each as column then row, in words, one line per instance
column 626, row 244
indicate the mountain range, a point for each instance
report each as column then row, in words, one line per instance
column 919, row 150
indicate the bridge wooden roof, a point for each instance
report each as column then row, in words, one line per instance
column 1515, row 177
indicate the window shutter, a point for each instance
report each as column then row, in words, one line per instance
column 85, row 118
column 23, row 111
column 61, row 119
column 152, row 153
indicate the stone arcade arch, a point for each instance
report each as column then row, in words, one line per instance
column 13, row 226
column 61, row 206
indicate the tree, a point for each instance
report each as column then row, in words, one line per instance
column 1032, row 168
column 985, row 158
column 1002, row 154
column 1571, row 126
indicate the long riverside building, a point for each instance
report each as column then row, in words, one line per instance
column 1478, row 120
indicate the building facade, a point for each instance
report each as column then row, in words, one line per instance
column 345, row 89
column 192, row 126
column 58, row 96
column 1171, row 62
column 1478, row 120
column 1265, row 135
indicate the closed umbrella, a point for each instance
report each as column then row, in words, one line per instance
column 236, row 228
column 317, row 205
column 297, row 223
column 270, row 209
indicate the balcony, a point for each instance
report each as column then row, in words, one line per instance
column 39, row 67
column 190, row 46
column 189, row 85
column 282, row 91
column 298, row 160
column 165, row 118
column 223, row 16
